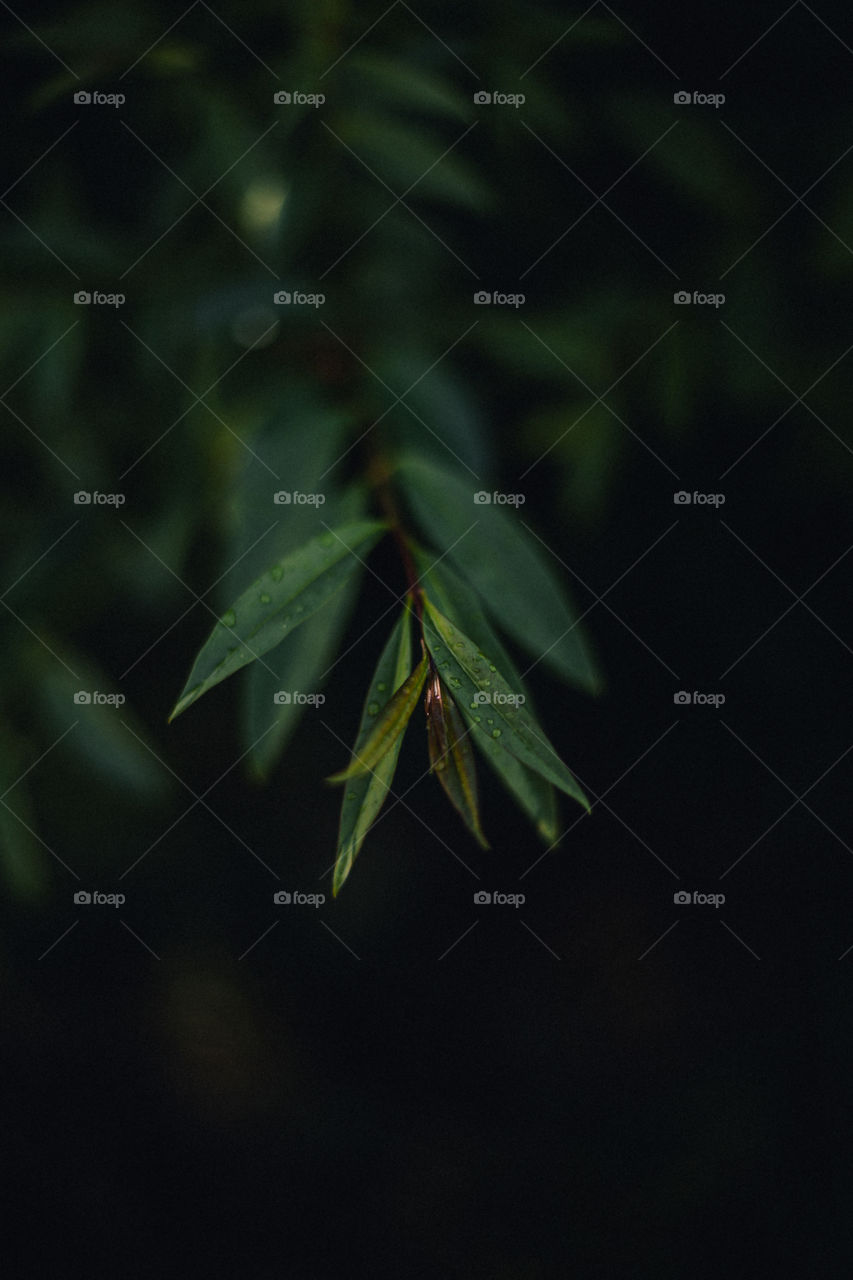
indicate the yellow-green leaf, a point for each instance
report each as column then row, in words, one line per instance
column 390, row 723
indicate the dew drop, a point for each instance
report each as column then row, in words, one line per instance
column 372, row 708
column 496, row 733
column 492, row 667
column 489, row 720
column 352, row 795
column 478, row 719
column 229, row 618
column 485, row 683
column 326, row 540
column 473, row 705
column 264, row 598
column 455, row 684
column 276, row 572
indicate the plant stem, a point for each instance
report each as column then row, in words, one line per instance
column 379, row 476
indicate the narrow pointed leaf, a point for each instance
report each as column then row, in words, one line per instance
column 286, row 595
column 303, row 660
column 511, row 724
column 389, row 725
column 364, row 797
column 298, row 664
column 513, row 573
column 454, row 597
column 451, row 757
column 534, row 794
column 458, row 602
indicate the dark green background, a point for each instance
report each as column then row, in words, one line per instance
column 540, row 1098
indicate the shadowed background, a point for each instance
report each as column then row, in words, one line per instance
column 590, row 1079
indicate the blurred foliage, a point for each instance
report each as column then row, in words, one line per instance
column 397, row 198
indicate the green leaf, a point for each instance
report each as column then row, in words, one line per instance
column 410, row 156
column 286, row 595
column 364, row 797
column 536, row 797
column 455, row 424
column 107, row 745
column 534, row 794
column 461, row 605
column 297, row 664
column 504, row 563
column 400, row 85
column 301, row 662
column 514, row 727
column 450, row 756
column 388, row 726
